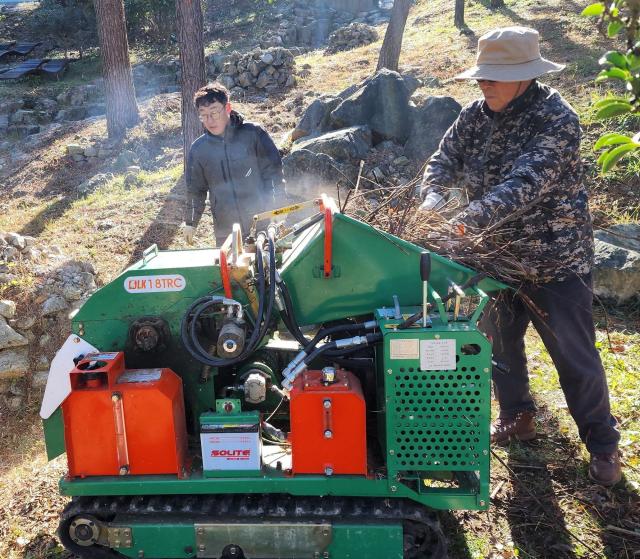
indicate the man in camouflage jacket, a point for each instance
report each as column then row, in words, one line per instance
column 516, row 154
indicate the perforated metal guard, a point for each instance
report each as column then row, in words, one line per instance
column 439, row 420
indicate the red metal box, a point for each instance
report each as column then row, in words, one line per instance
column 119, row 421
column 328, row 425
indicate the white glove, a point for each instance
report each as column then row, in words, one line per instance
column 432, row 202
column 188, row 234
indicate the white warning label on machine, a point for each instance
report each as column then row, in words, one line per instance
column 438, row 355
column 155, row 284
column 404, row 349
column 140, row 375
column 230, row 451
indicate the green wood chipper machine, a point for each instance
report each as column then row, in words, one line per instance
column 314, row 392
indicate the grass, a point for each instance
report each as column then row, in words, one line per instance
column 114, row 224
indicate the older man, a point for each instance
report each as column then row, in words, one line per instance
column 516, row 154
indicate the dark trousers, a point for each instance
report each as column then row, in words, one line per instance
column 562, row 315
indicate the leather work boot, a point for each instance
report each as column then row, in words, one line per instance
column 605, row 468
column 521, row 427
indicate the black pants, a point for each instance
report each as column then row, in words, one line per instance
column 562, row 315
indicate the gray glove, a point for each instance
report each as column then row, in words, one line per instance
column 432, row 202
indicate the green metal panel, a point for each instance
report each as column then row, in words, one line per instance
column 366, row 540
column 54, row 434
column 273, row 482
column 438, row 420
column 369, row 267
column 168, row 540
column 176, row 540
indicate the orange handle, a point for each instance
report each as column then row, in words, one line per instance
column 224, row 273
column 328, row 241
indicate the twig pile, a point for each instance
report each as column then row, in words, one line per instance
column 396, row 211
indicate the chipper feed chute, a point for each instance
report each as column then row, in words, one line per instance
column 288, row 397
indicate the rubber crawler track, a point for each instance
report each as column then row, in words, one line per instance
column 423, row 537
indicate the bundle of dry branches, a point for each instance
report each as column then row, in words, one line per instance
column 396, row 211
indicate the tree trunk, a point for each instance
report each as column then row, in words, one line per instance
column 392, row 44
column 458, row 16
column 497, row 3
column 191, row 41
column 122, row 109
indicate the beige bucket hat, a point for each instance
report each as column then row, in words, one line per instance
column 509, row 54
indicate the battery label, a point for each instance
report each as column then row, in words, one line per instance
column 155, row 284
column 230, row 451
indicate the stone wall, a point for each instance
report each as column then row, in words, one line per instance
column 259, row 70
column 33, row 325
column 309, row 25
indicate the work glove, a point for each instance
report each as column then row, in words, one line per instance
column 432, row 202
column 188, row 234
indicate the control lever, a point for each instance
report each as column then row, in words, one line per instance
column 473, row 280
column 425, row 272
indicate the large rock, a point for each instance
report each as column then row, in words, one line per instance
column 349, row 144
column 93, row 183
column 54, row 305
column 307, row 171
column 14, row 363
column 382, row 103
column 316, row 118
column 7, row 308
column 616, row 274
column 9, row 337
column 431, row 120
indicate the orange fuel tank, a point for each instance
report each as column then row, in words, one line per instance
column 119, row 421
column 328, row 425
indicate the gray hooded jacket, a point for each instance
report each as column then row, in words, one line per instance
column 241, row 171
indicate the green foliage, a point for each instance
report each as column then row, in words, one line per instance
column 150, row 20
column 615, row 17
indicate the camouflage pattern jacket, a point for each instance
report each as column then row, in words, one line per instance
column 522, row 173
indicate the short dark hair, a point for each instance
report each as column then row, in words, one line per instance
column 211, row 93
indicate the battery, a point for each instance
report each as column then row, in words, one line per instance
column 231, row 444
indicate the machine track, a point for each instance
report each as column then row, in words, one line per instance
column 423, row 537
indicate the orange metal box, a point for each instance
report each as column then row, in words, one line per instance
column 119, row 421
column 328, row 425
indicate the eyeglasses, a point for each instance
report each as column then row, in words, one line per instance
column 487, row 82
column 211, row 115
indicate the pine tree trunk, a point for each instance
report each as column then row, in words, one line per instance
column 191, row 41
column 122, row 108
column 458, row 16
column 392, row 44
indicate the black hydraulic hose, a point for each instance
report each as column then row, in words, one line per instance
column 272, row 287
column 289, row 318
column 324, row 332
column 337, row 350
column 188, row 327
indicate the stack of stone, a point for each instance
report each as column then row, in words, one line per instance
column 24, row 117
column 267, row 70
column 310, row 24
column 352, row 36
column 29, row 337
